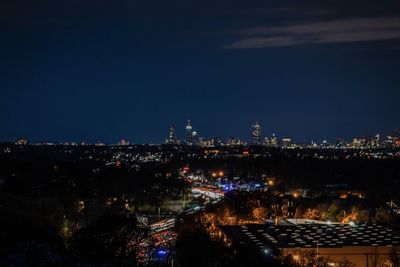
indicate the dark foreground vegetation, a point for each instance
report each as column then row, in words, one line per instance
column 72, row 208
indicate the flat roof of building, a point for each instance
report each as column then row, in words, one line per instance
column 312, row 235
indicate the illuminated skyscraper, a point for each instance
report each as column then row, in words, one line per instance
column 286, row 142
column 376, row 140
column 256, row 133
column 274, row 141
column 267, row 141
column 22, row 141
column 195, row 139
column 189, row 133
column 172, row 134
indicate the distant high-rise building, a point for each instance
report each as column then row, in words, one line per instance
column 171, row 138
column 274, row 141
column 232, row 141
column 339, row 143
column 256, row 133
column 22, row 141
column 286, row 142
column 267, row 141
column 393, row 139
column 358, row 142
column 189, row 133
column 376, row 140
column 123, row 142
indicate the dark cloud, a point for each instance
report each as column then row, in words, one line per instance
column 322, row 32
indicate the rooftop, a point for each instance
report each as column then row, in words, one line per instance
column 312, row 235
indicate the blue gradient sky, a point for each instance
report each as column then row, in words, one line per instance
column 106, row 70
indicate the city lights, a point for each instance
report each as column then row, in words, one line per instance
column 196, row 134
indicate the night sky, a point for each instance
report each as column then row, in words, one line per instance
column 100, row 70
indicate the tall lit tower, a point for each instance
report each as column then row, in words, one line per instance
column 256, row 133
column 189, row 133
column 274, row 141
column 171, row 134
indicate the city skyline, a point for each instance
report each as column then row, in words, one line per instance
column 188, row 134
column 200, row 133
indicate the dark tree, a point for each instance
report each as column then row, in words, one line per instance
column 112, row 239
column 195, row 248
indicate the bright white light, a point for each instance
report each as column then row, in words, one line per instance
column 266, row 251
column 352, row 224
column 328, row 222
